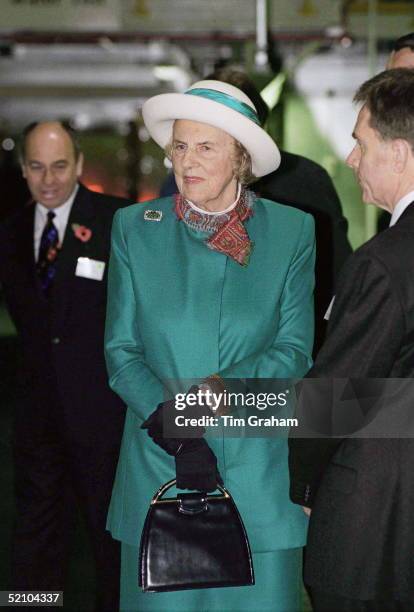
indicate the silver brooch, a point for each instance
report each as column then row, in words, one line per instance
column 153, row 215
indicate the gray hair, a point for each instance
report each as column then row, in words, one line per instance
column 389, row 98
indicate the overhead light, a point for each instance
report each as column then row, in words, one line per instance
column 8, row 144
column 82, row 121
column 335, row 31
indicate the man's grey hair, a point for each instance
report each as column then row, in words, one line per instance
column 389, row 97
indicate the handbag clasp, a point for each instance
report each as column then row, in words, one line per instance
column 192, row 503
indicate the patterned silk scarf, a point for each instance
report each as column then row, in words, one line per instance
column 228, row 234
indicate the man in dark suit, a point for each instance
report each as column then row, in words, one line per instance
column 361, row 489
column 67, row 430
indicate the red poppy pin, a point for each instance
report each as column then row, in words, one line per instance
column 82, row 233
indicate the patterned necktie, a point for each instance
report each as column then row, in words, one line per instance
column 48, row 250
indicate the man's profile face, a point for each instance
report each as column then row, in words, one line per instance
column 371, row 161
column 404, row 58
column 49, row 164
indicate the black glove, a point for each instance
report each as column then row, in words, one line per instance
column 155, row 428
column 195, row 462
column 163, row 419
column 196, row 466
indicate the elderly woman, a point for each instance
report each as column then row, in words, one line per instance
column 213, row 281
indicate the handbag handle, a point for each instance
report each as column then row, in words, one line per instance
column 165, row 487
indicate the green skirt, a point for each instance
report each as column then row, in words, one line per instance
column 278, row 588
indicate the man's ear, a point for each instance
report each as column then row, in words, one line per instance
column 401, row 150
column 79, row 165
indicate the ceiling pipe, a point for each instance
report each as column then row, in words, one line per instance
column 261, row 57
column 75, row 38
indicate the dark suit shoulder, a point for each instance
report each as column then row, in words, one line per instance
column 293, row 162
column 13, row 227
column 16, row 217
column 392, row 247
column 302, row 182
column 107, row 203
column 370, row 263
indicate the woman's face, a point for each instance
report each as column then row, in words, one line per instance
column 203, row 162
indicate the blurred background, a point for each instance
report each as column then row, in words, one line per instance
column 94, row 62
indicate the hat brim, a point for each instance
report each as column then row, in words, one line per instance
column 160, row 112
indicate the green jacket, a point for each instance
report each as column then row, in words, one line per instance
column 178, row 310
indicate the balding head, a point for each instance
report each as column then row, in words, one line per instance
column 402, row 55
column 51, row 162
column 404, row 58
column 49, row 124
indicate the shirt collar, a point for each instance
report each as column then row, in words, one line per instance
column 401, row 206
column 217, row 212
column 63, row 209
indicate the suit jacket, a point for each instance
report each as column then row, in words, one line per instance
column 177, row 311
column 62, row 337
column 361, row 536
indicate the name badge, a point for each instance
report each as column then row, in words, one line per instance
column 90, row 268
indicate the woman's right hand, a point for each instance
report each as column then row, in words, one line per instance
column 196, row 466
column 162, row 428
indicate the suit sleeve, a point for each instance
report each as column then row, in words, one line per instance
column 289, row 355
column 365, row 334
column 129, row 375
column 367, row 323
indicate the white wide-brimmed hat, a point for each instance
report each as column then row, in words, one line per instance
column 220, row 105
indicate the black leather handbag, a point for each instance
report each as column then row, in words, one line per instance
column 194, row 541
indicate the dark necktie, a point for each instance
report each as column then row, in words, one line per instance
column 48, row 250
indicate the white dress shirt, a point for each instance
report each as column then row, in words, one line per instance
column 401, row 206
column 60, row 220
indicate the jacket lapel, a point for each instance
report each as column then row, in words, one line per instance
column 63, row 292
column 81, row 214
